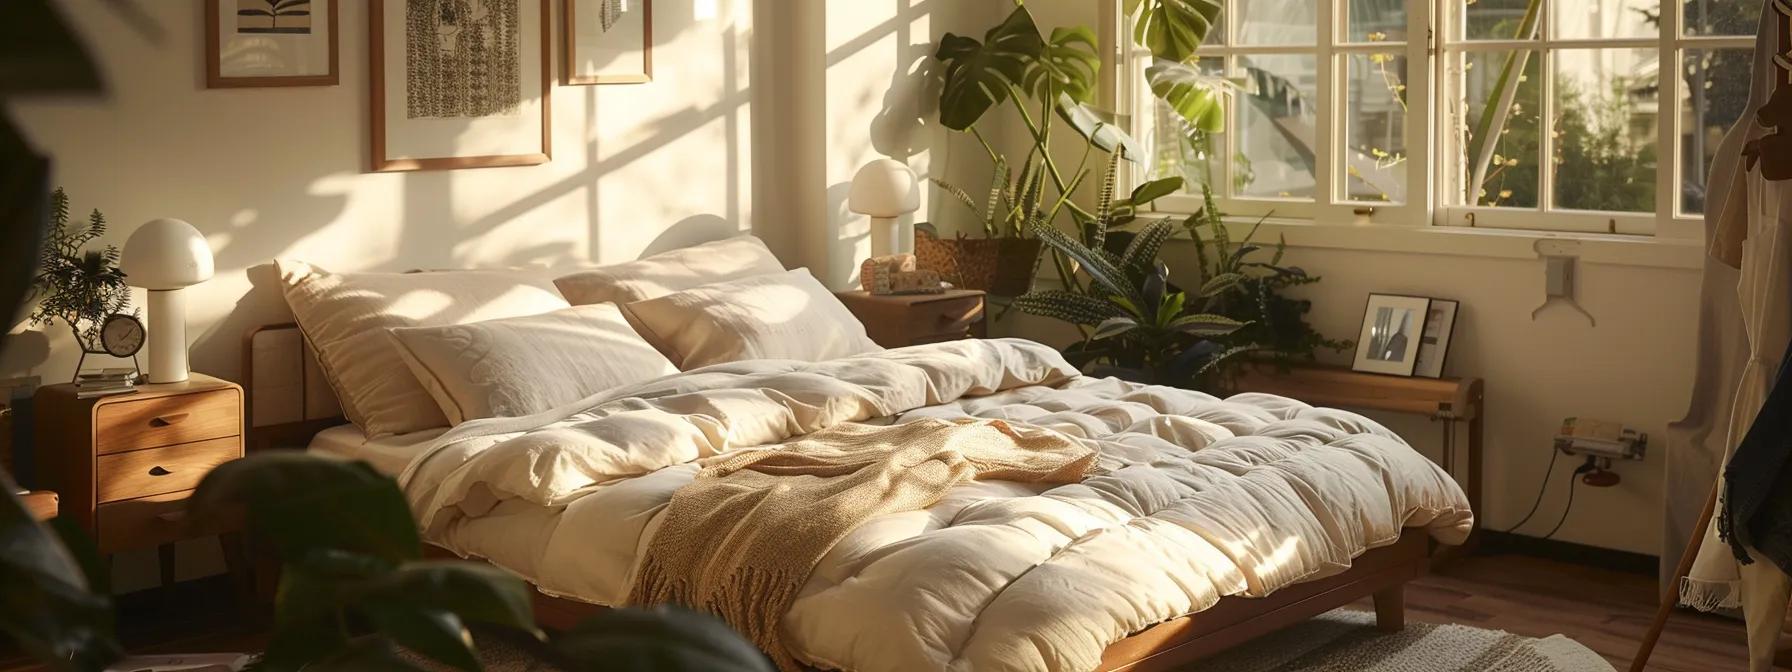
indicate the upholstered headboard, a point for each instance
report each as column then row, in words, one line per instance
column 289, row 399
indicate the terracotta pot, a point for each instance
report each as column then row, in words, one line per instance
column 1000, row 266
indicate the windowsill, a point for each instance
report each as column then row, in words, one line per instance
column 1596, row 248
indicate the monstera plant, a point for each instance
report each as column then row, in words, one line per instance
column 1049, row 81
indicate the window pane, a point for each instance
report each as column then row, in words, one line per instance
column 1278, row 22
column 1375, row 128
column 1722, row 17
column 1377, row 21
column 1582, row 19
column 1716, row 95
column 1504, row 174
column 1605, row 129
column 1178, row 152
column 1276, row 120
column 1491, row 19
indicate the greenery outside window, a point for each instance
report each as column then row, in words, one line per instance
column 1507, row 114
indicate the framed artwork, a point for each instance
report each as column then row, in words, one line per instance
column 608, row 42
column 1434, row 343
column 1390, row 339
column 260, row 43
column 459, row 83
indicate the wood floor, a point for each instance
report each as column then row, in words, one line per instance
column 1606, row 610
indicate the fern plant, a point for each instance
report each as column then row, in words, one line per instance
column 74, row 284
column 1138, row 324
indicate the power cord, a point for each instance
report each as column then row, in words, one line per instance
column 1553, row 454
column 1574, row 480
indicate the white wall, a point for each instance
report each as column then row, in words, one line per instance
column 282, row 171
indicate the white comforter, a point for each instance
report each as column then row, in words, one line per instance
column 1203, row 498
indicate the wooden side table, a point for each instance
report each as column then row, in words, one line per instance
column 1447, row 400
column 126, row 464
column 898, row 320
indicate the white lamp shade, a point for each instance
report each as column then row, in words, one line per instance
column 884, row 188
column 166, row 254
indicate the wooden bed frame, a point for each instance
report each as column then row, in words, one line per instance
column 1380, row 574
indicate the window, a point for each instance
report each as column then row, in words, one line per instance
column 1530, row 114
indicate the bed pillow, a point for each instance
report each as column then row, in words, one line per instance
column 345, row 317
column 789, row 315
column 526, row 365
column 674, row 271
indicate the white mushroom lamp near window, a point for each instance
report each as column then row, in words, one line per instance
column 165, row 256
column 885, row 190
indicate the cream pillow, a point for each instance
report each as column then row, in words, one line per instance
column 674, row 271
column 526, row 365
column 784, row 316
column 345, row 317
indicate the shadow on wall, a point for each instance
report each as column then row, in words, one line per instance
column 431, row 232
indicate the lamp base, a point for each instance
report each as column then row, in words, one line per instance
column 167, row 336
column 890, row 235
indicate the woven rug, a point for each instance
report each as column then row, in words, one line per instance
column 1347, row 641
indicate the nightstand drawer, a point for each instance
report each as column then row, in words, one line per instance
column 945, row 319
column 139, row 523
column 156, row 471
column 166, row 421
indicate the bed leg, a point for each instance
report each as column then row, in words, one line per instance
column 1390, row 608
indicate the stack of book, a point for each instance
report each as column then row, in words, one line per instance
column 93, row 383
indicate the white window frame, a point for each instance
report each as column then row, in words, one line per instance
column 1669, row 47
column 1328, row 203
column 1430, row 124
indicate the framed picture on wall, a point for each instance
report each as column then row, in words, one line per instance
column 459, row 83
column 1434, row 344
column 1390, row 339
column 260, row 43
column 608, row 42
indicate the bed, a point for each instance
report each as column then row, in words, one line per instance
column 1208, row 522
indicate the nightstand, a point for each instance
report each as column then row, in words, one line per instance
column 124, row 465
column 897, row 320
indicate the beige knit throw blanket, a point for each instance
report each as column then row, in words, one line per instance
column 741, row 540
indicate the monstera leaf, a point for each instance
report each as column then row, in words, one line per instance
column 1068, row 64
column 47, row 605
column 1094, row 125
column 1198, row 98
column 978, row 74
column 1172, row 29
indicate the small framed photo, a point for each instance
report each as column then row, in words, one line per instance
column 1391, row 334
column 1434, row 344
column 608, row 42
column 264, row 43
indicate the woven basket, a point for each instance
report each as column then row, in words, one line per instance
column 1000, row 266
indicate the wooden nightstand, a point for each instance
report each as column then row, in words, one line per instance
column 124, row 465
column 897, row 320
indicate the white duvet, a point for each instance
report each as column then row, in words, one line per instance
column 1202, row 498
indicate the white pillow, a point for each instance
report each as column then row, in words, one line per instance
column 526, row 365
column 789, row 315
column 345, row 317
column 665, row 273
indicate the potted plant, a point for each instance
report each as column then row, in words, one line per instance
column 79, row 286
column 1140, row 326
column 1048, row 81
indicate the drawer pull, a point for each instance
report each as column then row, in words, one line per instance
column 169, row 420
column 159, row 471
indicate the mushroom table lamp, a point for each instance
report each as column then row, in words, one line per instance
column 885, row 190
column 165, row 256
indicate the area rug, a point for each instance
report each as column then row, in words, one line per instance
column 1347, row 641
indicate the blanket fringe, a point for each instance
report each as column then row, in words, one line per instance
column 1710, row 595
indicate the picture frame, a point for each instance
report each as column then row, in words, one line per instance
column 247, row 47
column 594, row 53
column 446, row 105
column 1390, row 338
column 1434, row 343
